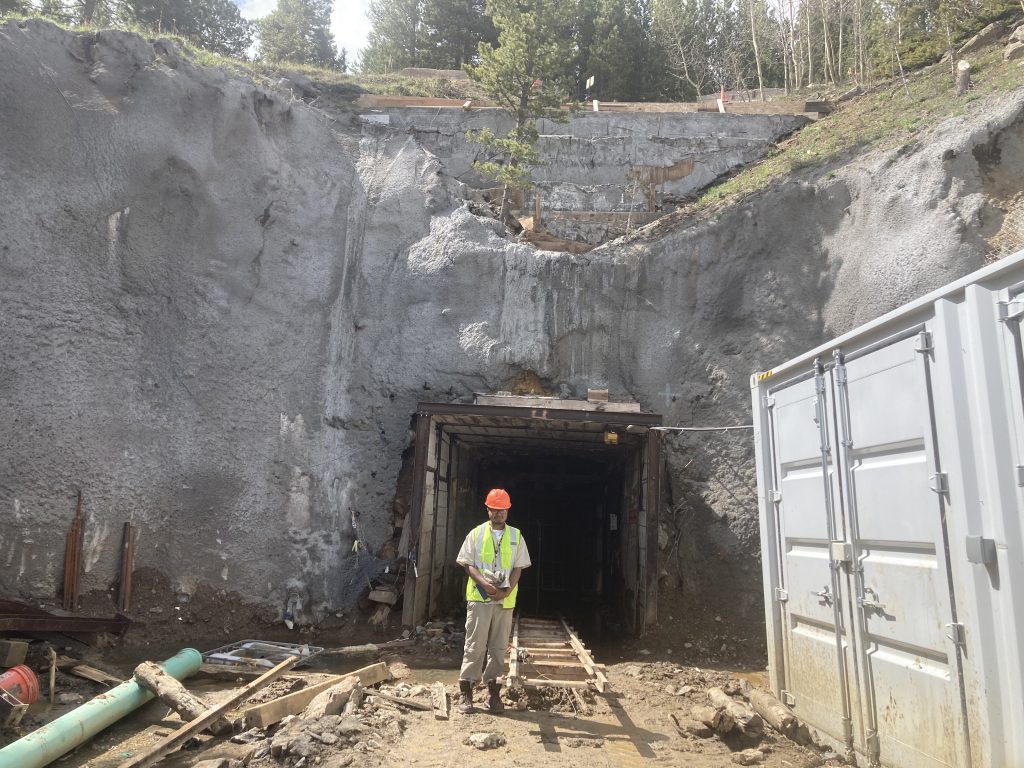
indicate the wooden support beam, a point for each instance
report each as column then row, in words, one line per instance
column 263, row 715
column 172, row 742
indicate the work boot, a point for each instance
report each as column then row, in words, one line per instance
column 494, row 705
column 466, row 697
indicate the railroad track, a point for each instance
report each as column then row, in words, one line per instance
column 547, row 653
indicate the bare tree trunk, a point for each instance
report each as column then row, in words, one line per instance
column 794, row 49
column 830, row 70
column 810, row 59
column 757, row 52
column 839, row 55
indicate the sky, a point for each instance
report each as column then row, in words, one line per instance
column 348, row 22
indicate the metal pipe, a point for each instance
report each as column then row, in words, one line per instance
column 45, row 745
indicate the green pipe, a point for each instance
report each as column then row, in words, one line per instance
column 45, row 745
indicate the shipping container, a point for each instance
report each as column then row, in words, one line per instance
column 890, row 468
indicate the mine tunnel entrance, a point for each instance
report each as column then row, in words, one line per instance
column 583, row 478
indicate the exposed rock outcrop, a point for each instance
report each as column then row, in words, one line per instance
column 220, row 308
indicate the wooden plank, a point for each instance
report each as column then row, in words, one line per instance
column 263, row 715
column 578, row 684
column 439, row 698
column 173, row 741
column 358, row 650
column 513, row 654
column 77, row 668
column 602, row 681
column 410, row 703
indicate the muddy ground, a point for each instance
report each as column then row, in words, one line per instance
column 644, row 719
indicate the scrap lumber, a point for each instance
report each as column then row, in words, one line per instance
column 410, row 703
column 167, row 745
column 153, row 678
column 77, row 668
column 734, row 715
column 263, row 715
column 53, row 674
column 359, row 650
column 12, row 652
column 439, row 698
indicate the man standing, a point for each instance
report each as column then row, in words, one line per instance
column 494, row 555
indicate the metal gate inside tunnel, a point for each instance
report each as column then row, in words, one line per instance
column 584, row 481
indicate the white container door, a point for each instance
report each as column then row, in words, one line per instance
column 901, row 603
column 818, row 662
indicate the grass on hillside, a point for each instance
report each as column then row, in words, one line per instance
column 265, row 71
column 890, row 115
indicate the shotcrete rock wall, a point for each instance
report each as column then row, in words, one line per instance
column 591, row 159
column 219, row 308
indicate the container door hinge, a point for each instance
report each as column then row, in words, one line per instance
column 957, row 634
column 776, row 497
column 939, row 482
column 924, row 342
column 769, row 401
column 781, row 595
column 1020, row 475
column 1010, row 310
column 788, row 698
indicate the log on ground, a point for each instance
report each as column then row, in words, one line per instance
column 734, row 715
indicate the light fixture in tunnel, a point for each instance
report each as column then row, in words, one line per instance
column 611, row 438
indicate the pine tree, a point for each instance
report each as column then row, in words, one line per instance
column 299, row 31
column 216, row 25
column 453, row 31
column 396, row 35
column 524, row 75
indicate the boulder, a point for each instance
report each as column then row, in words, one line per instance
column 333, row 700
column 987, row 36
column 1014, row 51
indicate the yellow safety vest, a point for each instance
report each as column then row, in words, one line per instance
column 485, row 557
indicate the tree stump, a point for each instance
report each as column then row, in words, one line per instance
column 963, row 76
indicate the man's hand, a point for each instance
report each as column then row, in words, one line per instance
column 500, row 594
column 490, row 589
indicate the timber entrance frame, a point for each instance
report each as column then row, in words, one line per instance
column 578, row 425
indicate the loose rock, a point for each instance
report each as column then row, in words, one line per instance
column 485, row 740
column 748, row 757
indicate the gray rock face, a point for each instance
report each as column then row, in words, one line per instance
column 220, row 308
column 591, row 159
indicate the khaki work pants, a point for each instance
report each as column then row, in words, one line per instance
column 488, row 627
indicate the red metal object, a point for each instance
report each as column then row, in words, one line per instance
column 22, row 683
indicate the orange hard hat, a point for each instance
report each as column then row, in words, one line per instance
column 497, row 498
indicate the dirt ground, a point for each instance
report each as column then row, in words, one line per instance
column 631, row 725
